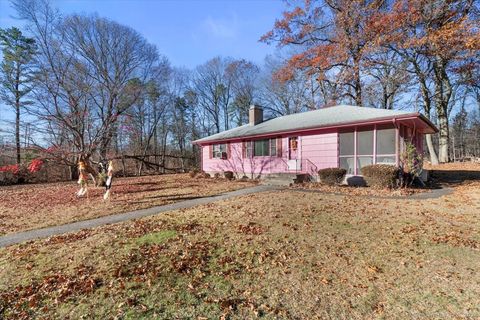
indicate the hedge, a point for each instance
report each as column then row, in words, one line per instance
column 203, row 175
column 381, row 175
column 228, row 175
column 332, row 176
column 193, row 173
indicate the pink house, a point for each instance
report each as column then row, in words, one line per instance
column 343, row 136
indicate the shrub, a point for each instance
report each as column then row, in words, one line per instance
column 411, row 165
column 35, row 165
column 217, row 175
column 244, row 178
column 13, row 174
column 193, row 173
column 7, row 178
column 412, row 161
column 203, row 175
column 332, row 176
column 381, row 175
column 228, row 175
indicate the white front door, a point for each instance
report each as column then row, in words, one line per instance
column 293, row 162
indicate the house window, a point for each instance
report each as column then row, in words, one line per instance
column 248, row 149
column 293, row 143
column 261, row 148
column 219, row 151
column 361, row 148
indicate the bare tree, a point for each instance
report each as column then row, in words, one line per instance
column 244, row 75
column 91, row 71
column 282, row 97
column 390, row 78
column 212, row 84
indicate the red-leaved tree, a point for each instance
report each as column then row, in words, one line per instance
column 334, row 38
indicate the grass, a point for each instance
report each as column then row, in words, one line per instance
column 35, row 206
column 276, row 255
column 156, row 237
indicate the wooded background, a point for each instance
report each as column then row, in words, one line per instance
column 82, row 86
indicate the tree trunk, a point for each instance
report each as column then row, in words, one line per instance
column 443, row 138
column 164, row 151
column 357, row 79
column 17, row 130
column 73, row 172
column 443, row 92
column 427, row 105
column 431, row 149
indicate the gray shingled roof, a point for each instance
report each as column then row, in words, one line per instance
column 312, row 119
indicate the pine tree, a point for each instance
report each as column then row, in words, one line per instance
column 16, row 73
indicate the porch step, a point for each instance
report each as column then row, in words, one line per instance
column 284, row 179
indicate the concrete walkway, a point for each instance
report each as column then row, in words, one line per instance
column 15, row 238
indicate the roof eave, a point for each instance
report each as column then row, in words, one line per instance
column 338, row 125
column 427, row 121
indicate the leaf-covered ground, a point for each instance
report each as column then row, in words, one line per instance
column 39, row 205
column 278, row 255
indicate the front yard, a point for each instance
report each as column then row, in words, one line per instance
column 277, row 255
column 26, row 207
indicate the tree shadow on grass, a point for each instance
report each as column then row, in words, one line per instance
column 453, row 177
column 175, row 198
column 144, row 190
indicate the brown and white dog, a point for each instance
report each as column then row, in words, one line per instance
column 108, row 183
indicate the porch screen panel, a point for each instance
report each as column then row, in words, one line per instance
column 386, row 146
column 347, row 151
column 364, row 149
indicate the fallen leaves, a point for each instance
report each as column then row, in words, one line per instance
column 373, row 269
column 285, row 254
column 251, row 229
column 358, row 191
column 32, row 206
column 56, row 286
column 192, row 257
column 455, row 239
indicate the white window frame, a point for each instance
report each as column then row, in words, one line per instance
column 218, row 150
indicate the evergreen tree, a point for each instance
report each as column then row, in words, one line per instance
column 16, row 73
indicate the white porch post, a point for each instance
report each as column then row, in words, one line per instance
column 397, row 146
column 374, row 144
column 355, row 169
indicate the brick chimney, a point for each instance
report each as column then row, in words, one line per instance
column 255, row 115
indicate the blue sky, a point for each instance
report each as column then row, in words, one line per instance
column 187, row 32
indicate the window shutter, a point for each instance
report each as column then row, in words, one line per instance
column 229, row 150
column 244, row 150
column 279, row 147
column 210, row 151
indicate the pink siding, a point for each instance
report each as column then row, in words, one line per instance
column 316, row 150
column 320, row 149
column 251, row 167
